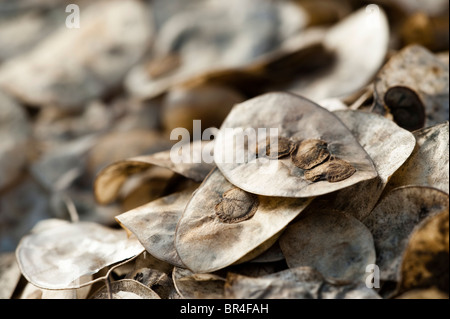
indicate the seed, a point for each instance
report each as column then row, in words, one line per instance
column 281, row 148
column 333, row 171
column 236, row 206
column 406, row 107
column 310, row 153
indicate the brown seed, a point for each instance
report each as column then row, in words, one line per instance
column 236, row 206
column 333, row 171
column 310, row 153
column 283, row 147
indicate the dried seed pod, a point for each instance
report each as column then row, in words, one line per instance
column 9, row 275
column 71, row 74
column 297, row 283
column 154, row 279
column 336, row 244
column 126, row 289
column 281, row 148
column 425, row 260
column 236, row 206
column 387, row 144
column 310, row 153
column 57, row 253
column 417, row 82
column 198, row 286
column 334, row 170
column 154, row 225
column 297, row 119
column 428, row 163
column 111, row 178
column 357, row 57
column 393, row 220
column 206, row 243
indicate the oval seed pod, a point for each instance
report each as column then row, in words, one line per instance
column 336, row 244
column 154, row 225
column 393, row 220
column 210, row 237
column 428, row 163
column 110, row 179
column 58, row 254
column 297, row 119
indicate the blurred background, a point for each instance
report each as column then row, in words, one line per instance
column 73, row 100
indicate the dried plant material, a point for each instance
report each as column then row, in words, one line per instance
column 57, row 256
column 297, row 119
column 272, row 254
column 70, row 76
column 126, row 289
column 110, row 179
column 412, row 84
column 297, row 283
column 154, row 225
column 392, row 221
column 387, row 144
column 205, row 243
column 9, row 275
column 32, row 292
column 358, row 57
column 236, row 206
column 14, row 134
column 310, row 153
column 430, row 293
column 428, row 163
column 333, row 171
column 207, row 103
column 425, row 260
column 133, row 143
column 231, row 35
column 281, row 148
column 154, row 279
column 336, row 244
column 198, row 286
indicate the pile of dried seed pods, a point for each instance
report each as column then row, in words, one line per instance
column 350, row 200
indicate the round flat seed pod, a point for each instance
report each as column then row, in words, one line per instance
column 428, row 163
column 393, row 220
column 298, row 119
column 425, row 260
column 126, row 289
column 110, row 179
column 198, row 286
column 414, row 86
column 387, row 144
column 154, row 225
column 58, row 255
column 336, row 244
column 216, row 231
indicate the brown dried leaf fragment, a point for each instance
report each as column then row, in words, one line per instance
column 310, row 153
column 205, row 243
column 334, row 170
column 336, row 244
column 425, row 260
column 393, row 220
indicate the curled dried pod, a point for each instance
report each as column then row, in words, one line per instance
column 334, row 170
column 406, row 107
column 310, row 153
